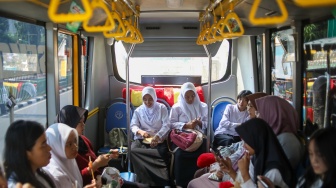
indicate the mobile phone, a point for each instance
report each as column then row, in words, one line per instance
column 262, row 182
column 216, row 153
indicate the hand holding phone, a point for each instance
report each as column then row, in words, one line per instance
column 262, row 182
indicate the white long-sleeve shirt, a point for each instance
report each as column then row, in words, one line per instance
column 232, row 117
column 178, row 118
column 273, row 174
column 157, row 127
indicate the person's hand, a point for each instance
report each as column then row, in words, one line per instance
column 98, row 181
column 102, row 160
column 155, row 141
column 92, row 185
column 243, row 165
column 268, row 182
column 226, row 166
column 144, row 134
column 114, row 154
column 26, row 185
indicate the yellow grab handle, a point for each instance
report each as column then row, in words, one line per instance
column 109, row 23
column 229, row 23
column 69, row 17
column 311, row 3
column 268, row 20
column 119, row 31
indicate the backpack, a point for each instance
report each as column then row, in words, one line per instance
column 118, row 138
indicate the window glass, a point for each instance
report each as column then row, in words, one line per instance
column 193, row 66
column 283, row 48
column 320, row 73
column 22, row 73
column 65, row 63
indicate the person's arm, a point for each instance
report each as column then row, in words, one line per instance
column 273, row 175
column 165, row 124
column 227, row 120
column 135, row 125
column 174, row 118
column 204, row 117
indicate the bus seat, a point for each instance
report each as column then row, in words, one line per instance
column 218, row 106
column 115, row 118
column 165, row 103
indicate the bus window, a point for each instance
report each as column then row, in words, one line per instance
column 22, row 72
column 65, row 64
column 193, row 66
column 283, row 47
column 320, row 67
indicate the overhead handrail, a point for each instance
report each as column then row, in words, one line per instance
column 313, row 3
column 120, row 30
column 222, row 28
column 216, row 32
column 69, row 17
column 268, row 20
column 109, row 22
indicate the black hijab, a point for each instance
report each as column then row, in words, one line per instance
column 268, row 151
column 71, row 116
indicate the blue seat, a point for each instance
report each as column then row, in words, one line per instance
column 218, row 107
column 116, row 118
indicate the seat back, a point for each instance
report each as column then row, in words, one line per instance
column 165, row 103
column 218, row 107
column 116, row 114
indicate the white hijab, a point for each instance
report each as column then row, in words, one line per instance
column 193, row 110
column 152, row 114
column 57, row 136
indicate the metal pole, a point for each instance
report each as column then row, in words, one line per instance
column 128, row 108
column 209, row 98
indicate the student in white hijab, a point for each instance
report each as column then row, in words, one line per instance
column 63, row 167
column 188, row 113
column 150, row 124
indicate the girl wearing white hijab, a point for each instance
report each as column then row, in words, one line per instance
column 188, row 113
column 150, row 125
column 63, row 167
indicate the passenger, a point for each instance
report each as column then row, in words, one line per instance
column 269, row 158
column 26, row 152
column 150, row 121
column 283, row 119
column 237, row 150
column 188, row 113
column 322, row 156
column 251, row 105
column 64, row 143
column 234, row 115
column 75, row 117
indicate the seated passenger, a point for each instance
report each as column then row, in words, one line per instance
column 188, row 113
column 234, row 115
column 268, row 157
column 283, row 119
column 64, row 143
column 150, row 159
column 24, row 158
column 251, row 105
column 75, row 117
column 322, row 156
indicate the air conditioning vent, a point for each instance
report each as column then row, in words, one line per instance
column 192, row 28
column 153, row 28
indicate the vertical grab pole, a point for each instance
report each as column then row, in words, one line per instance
column 128, row 108
column 209, row 98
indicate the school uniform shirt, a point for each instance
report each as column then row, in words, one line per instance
column 232, row 117
column 317, row 183
column 178, row 117
column 154, row 122
column 11, row 183
column 64, row 171
column 274, row 175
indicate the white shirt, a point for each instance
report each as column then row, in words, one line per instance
column 179, row 118
column 317, row 183
column 232, row 117
column 273, row 174
column 158, row 126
